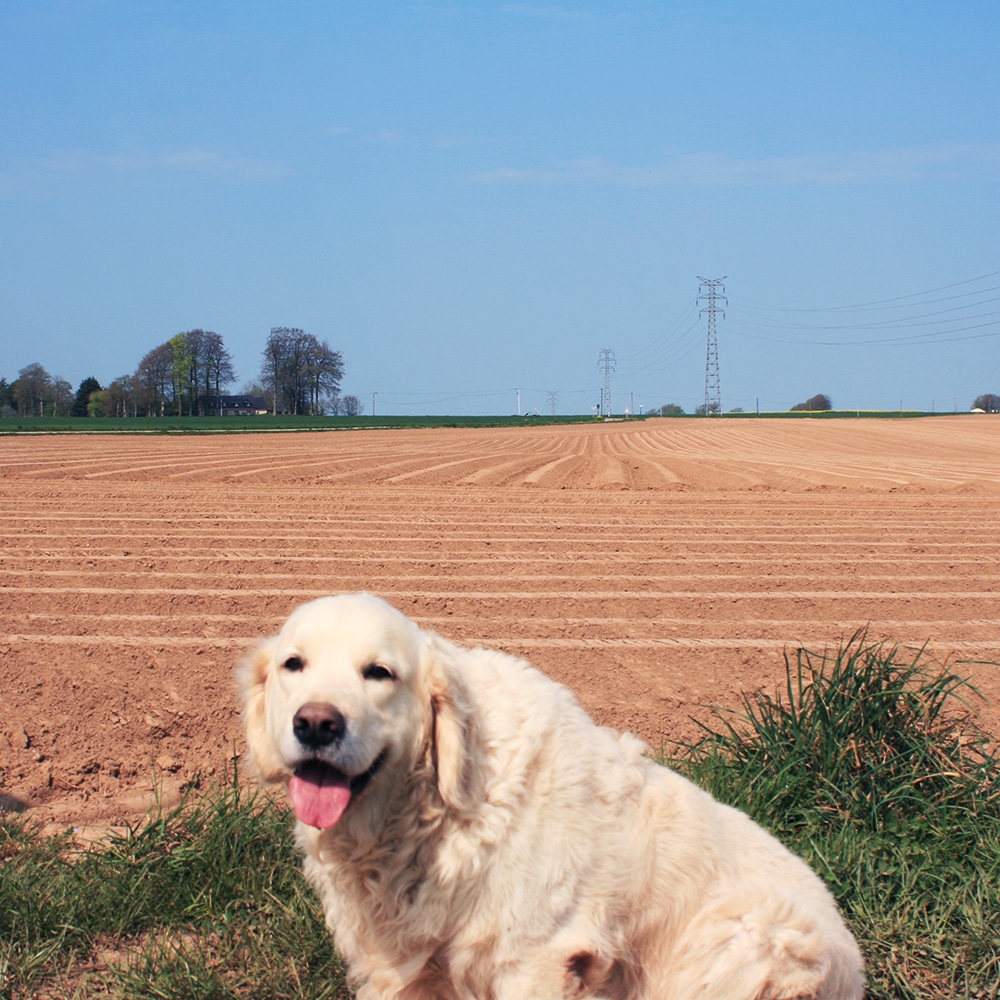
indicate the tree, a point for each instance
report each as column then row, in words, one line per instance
column 183, row 374
column 99, row 403
column 87, row 386
column 6, row 398
column 36, row 393
column 60, row 397
column 153, row 381
column 299, row 372
column 988, row 401
column 817, row 402
column 217, row 365
column 324, row 370
column 272, row 369
column 671, row 410
column 351, row 406
column 706, row 409
column 31, row 389
column 253, row 388
column 121, row 397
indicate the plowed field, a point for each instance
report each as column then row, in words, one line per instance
column 656, row 567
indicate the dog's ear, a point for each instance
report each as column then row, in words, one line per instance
column 254, row 677
column 457, row 756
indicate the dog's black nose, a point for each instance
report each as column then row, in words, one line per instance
column 318, row 725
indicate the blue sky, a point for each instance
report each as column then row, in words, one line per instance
column 468, row 199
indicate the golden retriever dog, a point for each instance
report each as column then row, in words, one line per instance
column 473, row 834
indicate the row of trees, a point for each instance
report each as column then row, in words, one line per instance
column 176, row 377
column 186, row 374
column 705, row 409
column 988, row 402
column 818, row 402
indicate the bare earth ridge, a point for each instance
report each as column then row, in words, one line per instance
column 656, row 567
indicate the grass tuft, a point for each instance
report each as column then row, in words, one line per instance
column 871, row 766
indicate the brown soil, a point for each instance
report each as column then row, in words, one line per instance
column 655, row 567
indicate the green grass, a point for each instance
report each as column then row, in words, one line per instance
column 204, row 901
column 240, row 425
column 867, row 763
column 871, row 767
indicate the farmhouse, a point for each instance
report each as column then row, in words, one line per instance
column 235, row 406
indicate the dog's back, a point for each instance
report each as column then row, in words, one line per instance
column 755, row 921
column 659, row 891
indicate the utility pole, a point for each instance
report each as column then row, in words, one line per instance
column 607, row 362
column 712, row 290
column 518, row 391
column 374, row 394
column 553, row 402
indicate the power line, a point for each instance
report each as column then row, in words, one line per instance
column 890, row 302
column 917, row 319
column 940, row 337
column 666, row 346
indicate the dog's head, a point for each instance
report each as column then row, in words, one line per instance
column 349, row 693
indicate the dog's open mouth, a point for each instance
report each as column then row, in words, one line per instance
column 320, row 793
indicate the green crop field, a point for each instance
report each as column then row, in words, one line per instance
column 237, row 425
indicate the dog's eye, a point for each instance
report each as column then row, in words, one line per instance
column 376, row 672
column 293, row 663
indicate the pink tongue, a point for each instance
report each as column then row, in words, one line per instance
column 319, row 795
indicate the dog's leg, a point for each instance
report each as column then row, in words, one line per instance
column 740, row 959
column 554, row 975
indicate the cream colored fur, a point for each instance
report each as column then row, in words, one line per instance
column 509, row 849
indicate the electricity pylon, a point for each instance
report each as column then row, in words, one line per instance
column 607, row 362
column 712, row 289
